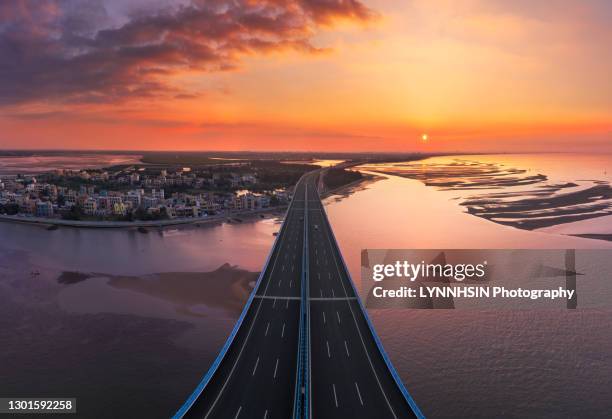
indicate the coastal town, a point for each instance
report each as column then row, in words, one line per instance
column 144, row 193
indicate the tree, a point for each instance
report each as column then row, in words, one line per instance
column 9, row 209
column 75, row 213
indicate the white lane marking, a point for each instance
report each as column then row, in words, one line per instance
column 283, row 268
column 272, row 297
column 279, row 282
column 328, row 352
column 274, row 303
column 238, row 412
column 287, row 305
column 324, row 321
column 283, row 331
column 346, row 347
column 321, row 291
column 319, row 275
column 266, row 414
column 276, row 367
column 358, row 393
column 335, row 396
column 212, row 407
column 255, row 367
column 359, row 333
column 291, row 284
column 338, row 316
column 334, row 294
column 267, row 328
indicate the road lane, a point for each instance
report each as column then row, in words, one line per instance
column 257, row 376
column 346, row 371
column 348, row 374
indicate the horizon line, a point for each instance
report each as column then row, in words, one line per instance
column 129, row 151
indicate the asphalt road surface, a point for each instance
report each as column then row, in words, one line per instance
column 349, row 377
column 257, row 377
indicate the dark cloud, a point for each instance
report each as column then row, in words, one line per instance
column 74, row 51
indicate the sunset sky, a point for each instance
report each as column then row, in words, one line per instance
column 332, row 75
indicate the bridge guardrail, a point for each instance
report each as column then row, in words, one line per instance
column 307, row 357
column 301, row 397
column 389, row 364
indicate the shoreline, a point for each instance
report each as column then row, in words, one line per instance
column 486, row 191
column 136, row 224
column 352, row 186
column 229, row 217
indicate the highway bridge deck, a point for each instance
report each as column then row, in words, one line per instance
column 257, row 375
column 349, row 377
column 302, row 349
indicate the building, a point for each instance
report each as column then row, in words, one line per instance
column 44, row 209
column 263, row 201
column 249, row 179
column 149, row 202
column 102, row 202
column 250, row 201
column 134, row 178
column 185, row 211
column 134, row 197
column 282, row 195
column 235, row 180
column 210, row 206
column 26, row 205
column 90, row 206
column 114, row 199
column 157, row 193
column 70, row 198
column 119, row 208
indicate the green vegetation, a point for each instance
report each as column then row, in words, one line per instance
column 9, row 209
column 334, row 178
column 75, row 182
column 142, row 215
column 184, row 159
column 273, row 174
column 75, row 214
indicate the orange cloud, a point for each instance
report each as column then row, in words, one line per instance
column 50, row 53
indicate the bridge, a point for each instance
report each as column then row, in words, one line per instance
column 303, row 346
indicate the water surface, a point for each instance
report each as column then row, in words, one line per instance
column 34, row 164
column 122, row 348
column 487, row 363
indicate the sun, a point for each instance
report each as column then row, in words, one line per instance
column 424, row 138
